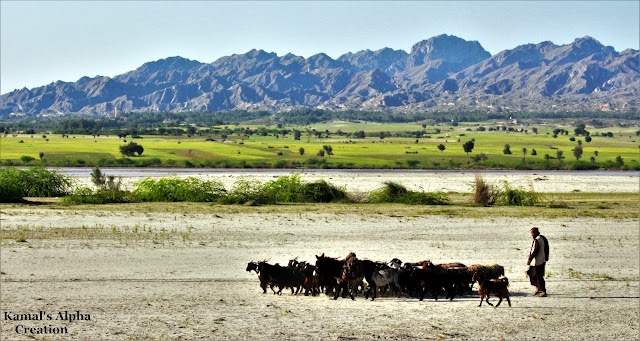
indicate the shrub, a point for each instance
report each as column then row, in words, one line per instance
column 10, row 186
column 244, row 190
column 322, row 191
column 480, row 157
column 395, row 193
column 26, row 158
column 85, row 195
column 584, row 165
column 484, row 193
column 33, row 182
column 176, row 189
column 40, row 182
column 285, row 189
column 510, row 196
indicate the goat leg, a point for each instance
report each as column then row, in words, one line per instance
column 487, row 300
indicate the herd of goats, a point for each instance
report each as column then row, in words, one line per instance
column 352, row 276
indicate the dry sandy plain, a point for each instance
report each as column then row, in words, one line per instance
column 174, row 272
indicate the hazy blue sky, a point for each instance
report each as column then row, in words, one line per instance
column 42, row 42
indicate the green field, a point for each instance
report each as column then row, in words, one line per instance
column 398, row 149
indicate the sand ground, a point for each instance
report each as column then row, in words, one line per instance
column 188, row 281
column 167, row 275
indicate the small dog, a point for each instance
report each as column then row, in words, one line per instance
column 497, row 287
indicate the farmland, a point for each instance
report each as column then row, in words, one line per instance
column 384, row 146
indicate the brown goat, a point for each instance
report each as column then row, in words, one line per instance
column 497, row 287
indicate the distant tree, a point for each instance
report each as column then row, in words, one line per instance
column 619, row 160
column 320, row 152
column 595, row 152
column 442, row 147
column 534, row 152
column 506, row 149
column 468, row 146
column 41, row 155
column 359, row 134
column 580, row 130
column 579, row 142
column 534, row 130
column 593, row 159
column 191, row 130
column 587, row 139
column 296, row 135
column 577, row 151
column 524, row 153
column 131, row 149
column 301, row 151
column 559, row 154
column 572, row 139
column 329, row 149
column 547, row 157
column 424, row 125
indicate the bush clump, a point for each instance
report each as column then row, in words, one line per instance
column 10, row 188
column 486, row 194
column 84, row 195
column 173, row 189
column 285, row 189
column 108, row 191
column 511, row 196
column 33, row 182
column 395, row 193
column 322, row 191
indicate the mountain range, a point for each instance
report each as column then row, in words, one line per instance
column 443, row 73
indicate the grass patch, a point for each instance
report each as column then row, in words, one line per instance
column 485, row 194
column 176, row 189
column 395, row 193
column 284, row 190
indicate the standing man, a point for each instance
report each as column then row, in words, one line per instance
column 538, row 255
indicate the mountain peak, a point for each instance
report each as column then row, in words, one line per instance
column 447, row 47
column 587, row 43
column 260, row 54
column 573, row 76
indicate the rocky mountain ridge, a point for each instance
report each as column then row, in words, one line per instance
column 443, row 73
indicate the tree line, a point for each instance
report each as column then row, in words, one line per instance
column 152, row 123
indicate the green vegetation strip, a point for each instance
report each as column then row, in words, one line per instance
column 531, row 144
column 571, row 205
